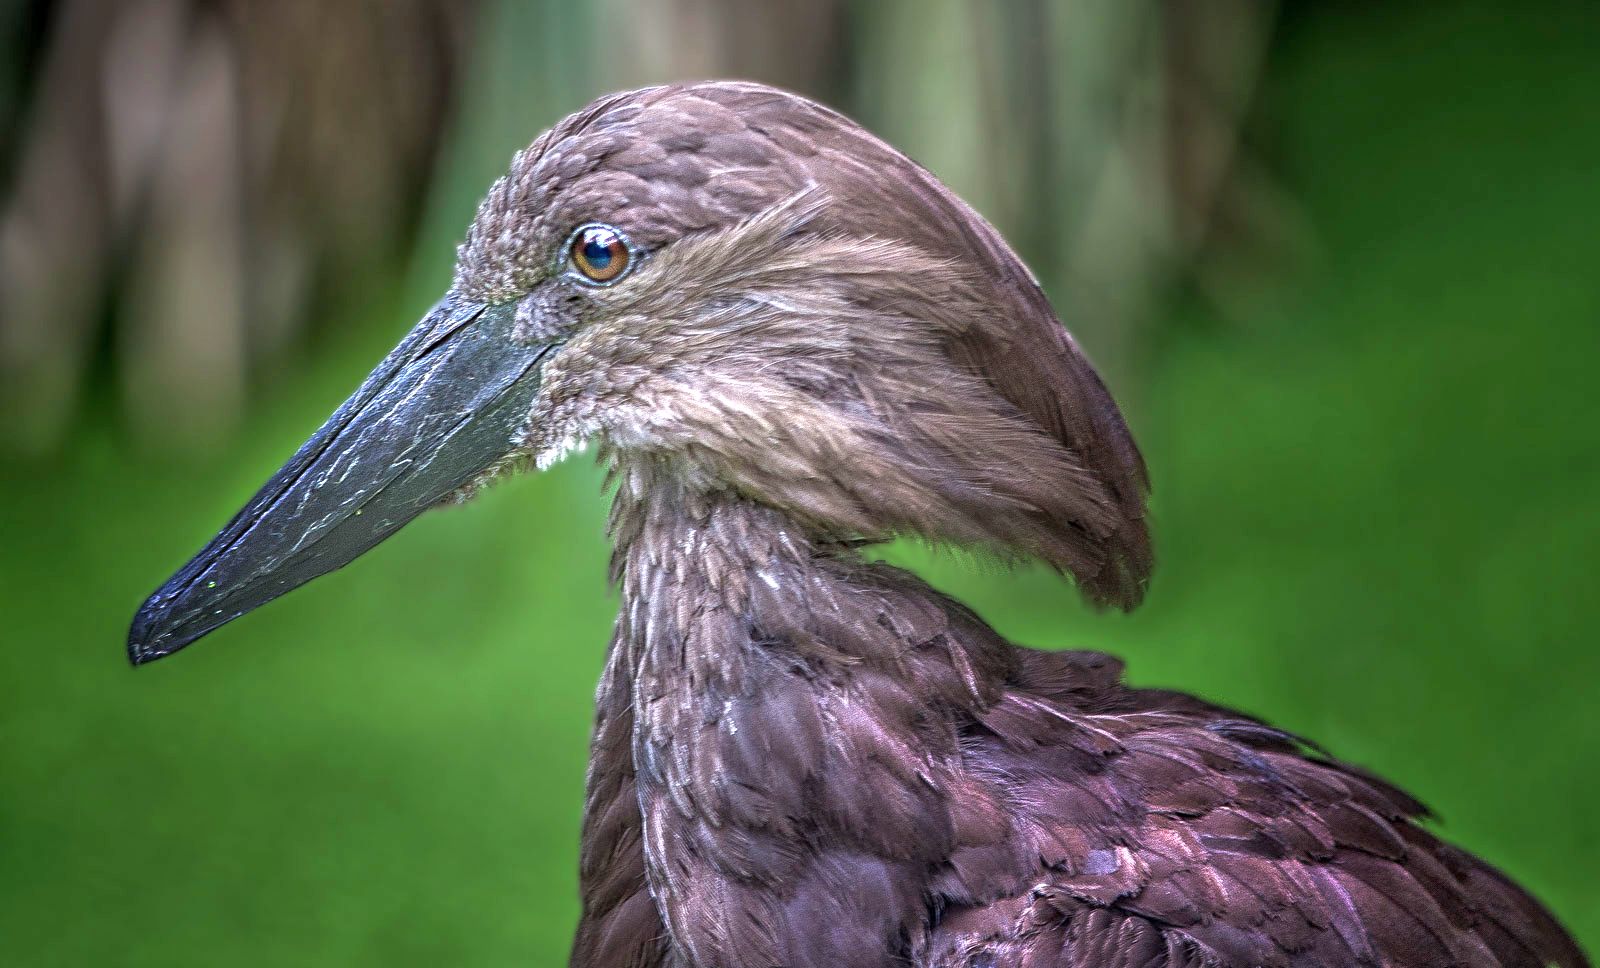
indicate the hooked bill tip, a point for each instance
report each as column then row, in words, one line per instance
column 148, row 637
column 143, row 635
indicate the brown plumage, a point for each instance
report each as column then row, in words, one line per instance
column 803, row 757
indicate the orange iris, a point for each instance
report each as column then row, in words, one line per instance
column 599, row 252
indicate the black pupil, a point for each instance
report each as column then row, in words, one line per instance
column 597, row 249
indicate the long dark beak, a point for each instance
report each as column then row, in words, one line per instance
column 445, row 406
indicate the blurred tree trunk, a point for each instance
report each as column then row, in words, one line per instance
column 196, row 183
column 192, row 178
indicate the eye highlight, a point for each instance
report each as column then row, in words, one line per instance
column 599, row 253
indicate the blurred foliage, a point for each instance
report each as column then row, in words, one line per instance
column 1377, row 500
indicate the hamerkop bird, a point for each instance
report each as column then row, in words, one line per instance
column 788, row 341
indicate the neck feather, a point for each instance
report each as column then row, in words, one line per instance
column 694, row 565
column 767, row 687
column 725, row 599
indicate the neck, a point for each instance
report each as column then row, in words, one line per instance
column 712, row 582
column 731, row 612
column 767, row 686
column 693, row 567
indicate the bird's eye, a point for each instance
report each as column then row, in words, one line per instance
column 600, row 253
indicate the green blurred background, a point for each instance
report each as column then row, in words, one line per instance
column 1338, row 262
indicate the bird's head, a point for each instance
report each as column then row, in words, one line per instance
column 744, row 292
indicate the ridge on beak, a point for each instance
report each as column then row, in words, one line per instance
column 446, row 405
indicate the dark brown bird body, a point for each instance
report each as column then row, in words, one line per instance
column 803, row 757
